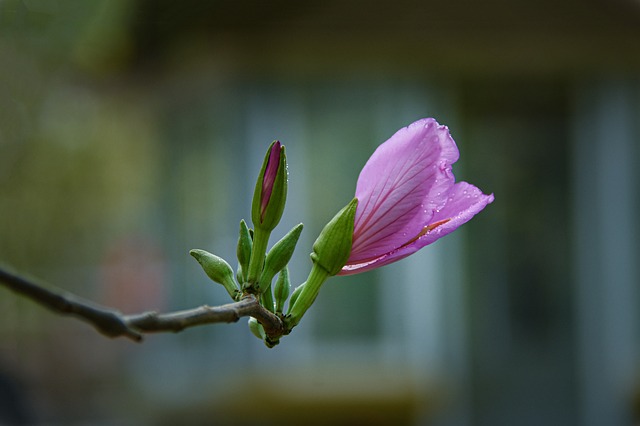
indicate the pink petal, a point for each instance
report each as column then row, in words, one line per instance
column 462, row 203
column 403, row 184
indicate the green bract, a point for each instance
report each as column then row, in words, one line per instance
column 218, row 270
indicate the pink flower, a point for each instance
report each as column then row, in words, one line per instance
column 408, row 197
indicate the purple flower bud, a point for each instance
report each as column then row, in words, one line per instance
column 270, row 193
column 408, row 197
column 269, row 177
column 269, row 198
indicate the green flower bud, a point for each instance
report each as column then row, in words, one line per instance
column 270, row 193
column 266, row 300
column 279, row 256
column 330, row 253
column 240, row 274
column 333, row 246
column 258, row 331
column 218, row 270
column 294, row 296
column 282, row 289
column 256, row 328
column 244, row 251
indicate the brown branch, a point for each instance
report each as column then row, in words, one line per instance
column 153, row 322
column 112, row 323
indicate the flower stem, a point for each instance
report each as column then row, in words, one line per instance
column 260, row 242
column 317, row 277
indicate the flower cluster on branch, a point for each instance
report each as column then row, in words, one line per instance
column 406, row 198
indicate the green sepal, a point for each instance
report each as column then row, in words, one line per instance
column 332, row 248
column 218, row 270
column 294, row 296
column 281, row 289
column 243, row 251
column 279, row 256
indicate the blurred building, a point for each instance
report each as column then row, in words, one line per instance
column 132, row 131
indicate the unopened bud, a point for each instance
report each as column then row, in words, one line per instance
column 294, row 296
column 244, row 251
column 218, row 270
column 270, row 193
column 281, row 289
column 256, row 328
column 279, row 256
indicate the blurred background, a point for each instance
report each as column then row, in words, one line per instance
column 133, row 131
